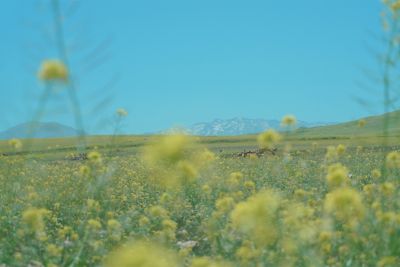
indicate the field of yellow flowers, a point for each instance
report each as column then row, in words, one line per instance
column 177, row 203
column 183, row 201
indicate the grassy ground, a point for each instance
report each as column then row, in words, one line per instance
column 178, row 201
column 230, row 144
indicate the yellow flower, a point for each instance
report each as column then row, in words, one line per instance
column 53, row 250
column 94, row 225
column 376, row 173
column 206, row 156
column 246, row 253
column 388, row 261
column 142, row 254
column 171, row 148
column 93, row 205
column 325, row 236
column 345, row 204
column 331, row 153
column 207, row 262
column 337, row 175
column 250, row 185
column 393, row 159
column 388, row 188
column 268, row 139
column 113, row 224
column 33, row 218
column 340, row 149
column 224, row 204
column 176, row 160
column 158, row 212
column 122, row 112
column 289, row 120
column 206, row 189
column 53, row 70
column 84, row 170
column 300, row 193
column 94, row 157
column 165, row 198
column 144, row 221
column 395, row 6
column 234, row 179
column 15, row 143
column 188, row 170
column 18, row 256
column 368, row 189
column 236, row 176
column 169, row 224
column 256, row 216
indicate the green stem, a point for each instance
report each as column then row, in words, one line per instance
column 59, row 31
column 386, row 91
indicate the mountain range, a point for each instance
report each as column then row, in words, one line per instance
column 241, row 126
column 237, row 126
column 217, row 127
column 40, row 129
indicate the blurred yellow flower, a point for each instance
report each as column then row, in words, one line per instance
column 331, row 153
column 345, row 204
column 340, row 149
column 34, row 218
column 337, row 175
column 207, row 262
column 53, row 250
column 289, row 120
column 53, row 70
column 93, row 225
column 393, row 159
column 388, row 188
column 142, row 254
column 224, row 204
column 15, row 143
column 121, row 112
column 170, row 149
column 376, row 173
column 95, row 157
column 388, row 261
column 395, row 6
column 256, row 217
column 268, row 139
column 113, row 224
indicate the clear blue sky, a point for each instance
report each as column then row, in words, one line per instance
column 178, row 62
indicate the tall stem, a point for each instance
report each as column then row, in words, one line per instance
column 388, row 65
column 62, row 51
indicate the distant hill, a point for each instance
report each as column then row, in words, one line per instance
column 42, row 130
column 373, row 127
column 240, row 126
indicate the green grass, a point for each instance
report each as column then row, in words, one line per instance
column 348, row 133
column 374, row 127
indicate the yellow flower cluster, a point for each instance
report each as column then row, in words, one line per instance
column 34, row 218
column 345, row 204
column 393, row 160
column 53, row 70
column 176, row 159
column 121, row 112
column 288, row 121
column 257, row 217
column 219, row 207
column 142, row 254
column 337, row 175
column 268, row 139
column 15, row 143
